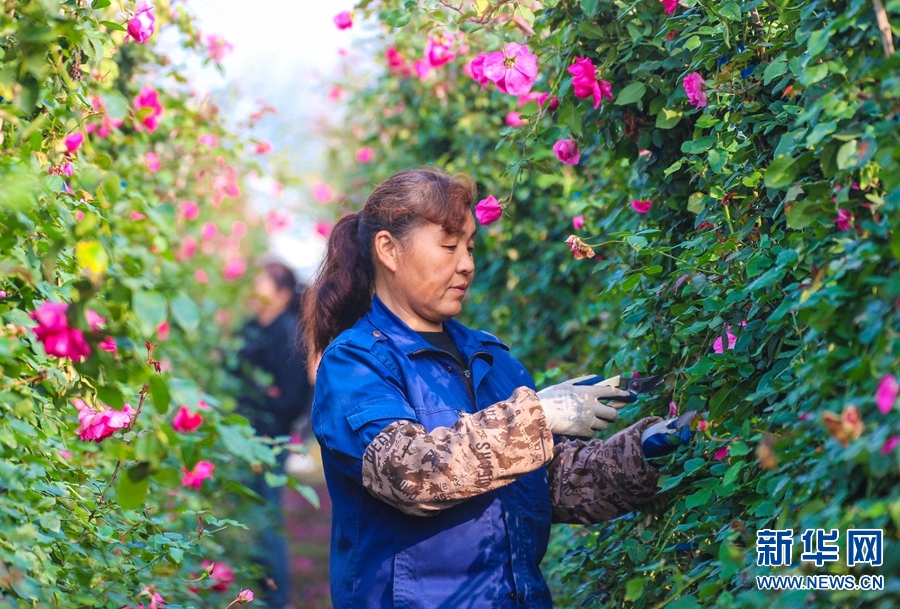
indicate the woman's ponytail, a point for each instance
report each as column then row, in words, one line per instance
column 342, row 291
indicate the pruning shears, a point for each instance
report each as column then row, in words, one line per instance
column 637, row 385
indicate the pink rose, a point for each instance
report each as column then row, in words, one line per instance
column 136, row 215
column 148, row 109
column 54, row 332
column 514, row 119
column 323, row 228
column 365, row 154
column 476, row 69
column 335, row 93
column 74, row 141
column 94, row 319
column 514, row 69
column 277, row 220
column 140, row 27
column 244, row 596
column 722, row 453
column 323, row 193
column 693, row 86
column 551, row 100
column 673, row 410
column 208, row 231
column 641, row 207
column 440, row 49
column 201, row 276
column 187, row 250
column 189, row 209
column 718, row 345
column 234, row 268
column 194, row 478
column 186, row 421
column 423, row 69
column 239, row 229
column 578, row 222
column 585, row 83
column 151, row 159
column 263, row 148
column 107, row 124
column 209, row 140
column 343, row 20
column 488, row 210
column 669, row 6
column 889, row 445
column 217, row 48
column 567, row 152
column 162, row 331
column 886, row 394
column 225, row 186
column 97, row 425
column 844, row 220
column 109, row 344
column 529, row 97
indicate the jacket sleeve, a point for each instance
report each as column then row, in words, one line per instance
column 421, row 473
column 598, row 480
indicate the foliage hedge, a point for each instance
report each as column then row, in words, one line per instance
column 112, row 523
column 773, row 227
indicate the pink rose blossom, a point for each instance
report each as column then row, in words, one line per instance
column 194, row 478
column 277, row 220
column 323, row 193
column 245, row 596
column 136, row 215
column 476, row 69
column 217, row 48
column 209, row 140
column 147, row 99
column 669, row 6
column 673, row 410
column 529, row 97
column 693, row 86
column 200, row 276
column 702, row 425
column 107, row 123
column 140, row 27
column 488, row 210
column 208, row 231
column 844, row 219
column 2, row 294
column 343, row 20
column 323, row 228
column 889, row 445
column 335, row 93
column 239, row 229
column 641, row 207
column 234, row 268
column 886, row 394
column 186, row 421
column 109, row 344
column 79, row 216
column 54, row 332
column 263, row 148
column 63, row 169
column 423, row 69
column 187, row 250
column 162, row 330
column 220, row 574
column 585, row 83
column 74, row 141
column 97, row 425
column 567, row 152
column 577, row 222
column 365, row 154
column 151, row 159
column 225, row 186
column 440, row 49
column 722, row 453
column 718, row 345
column 551, row 100
column 94, row 320
column 514, row 119
column 514, row 69
column 189, row 209
column 66, row 454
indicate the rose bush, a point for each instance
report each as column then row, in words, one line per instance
column 735, row 168
column 121, row 459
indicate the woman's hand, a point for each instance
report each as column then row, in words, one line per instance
column 577, row 410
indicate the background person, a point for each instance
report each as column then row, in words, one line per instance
column 439, row 455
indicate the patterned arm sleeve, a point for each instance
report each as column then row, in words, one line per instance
column 421, row 473
column 598, row 480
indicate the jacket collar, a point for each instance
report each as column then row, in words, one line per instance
column 409, row 341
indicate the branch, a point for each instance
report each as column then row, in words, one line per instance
column 884, row 26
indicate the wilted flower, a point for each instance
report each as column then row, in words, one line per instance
column 846, row 427
column 514, row 69
column 365, row 154
column 96, row 425
column 74, row 141
column 514, row 119
column 140, row 27
column 488, row 210
column 585, row 83
column 186, row 421
column 148, row 109
column 579, row 248
column 440, row 49
column 151, row 159
column 886, row 394
column 844, row 220
column 54, row 332
column 343, row 20
column 641, row 207
column 693, row 86
column 195, row 477
column 578, row 222
column 567, row 152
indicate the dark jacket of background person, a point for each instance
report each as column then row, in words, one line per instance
column 272, row 409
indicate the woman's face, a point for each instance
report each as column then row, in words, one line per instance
column 434, row 269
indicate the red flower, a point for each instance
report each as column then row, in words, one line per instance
column 186, row 421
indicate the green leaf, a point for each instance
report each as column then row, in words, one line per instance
column 130, row 494
column 738, row 449
column 781, row 172
column 98, row 4
column 684, row 602
column 817, row 42
column 846, row 156
column 592, row 31
column 692, row 465
column 634, row 589
column 396, row 18
column 775, row 69
column 637, row 242
column 798, row 218
column 731, row 11
column 159, row 390
column 697, row 499
column 631, row 94
column 150, row 310
column 666, row 119
column 701, row 367
column 813, row 74
column 589, row 7
column 696, row 202
column 718, row 404
column 112, row 25
column 185, row 312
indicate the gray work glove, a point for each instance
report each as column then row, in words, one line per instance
column 580, row 410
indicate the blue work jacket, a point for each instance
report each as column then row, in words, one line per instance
column 482, row 553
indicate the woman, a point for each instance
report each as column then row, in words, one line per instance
column 439, row 455
column 275, row 393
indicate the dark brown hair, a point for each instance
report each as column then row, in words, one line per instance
column 342, row 291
